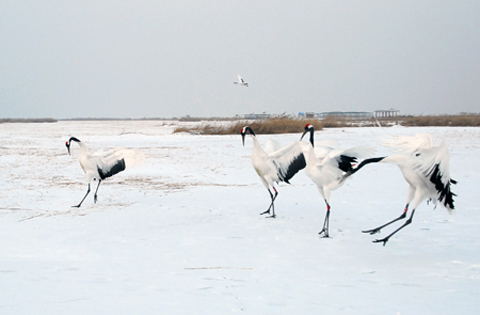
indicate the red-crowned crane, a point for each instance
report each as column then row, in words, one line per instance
column 425, row 168
column 241, row 81
column 326, row 168
column 274, row 167
column 99, row 166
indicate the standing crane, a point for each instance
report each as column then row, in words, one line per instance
column 425, row 168
column 97, row 166
column 274, row 167
column 327, row 167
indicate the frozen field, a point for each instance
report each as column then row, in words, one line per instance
column 182, row 234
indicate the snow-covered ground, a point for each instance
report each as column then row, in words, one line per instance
column 182, row 234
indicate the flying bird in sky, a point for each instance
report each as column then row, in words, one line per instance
column 241, row 81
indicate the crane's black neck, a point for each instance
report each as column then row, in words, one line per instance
column 73, row 139
column 249, row 130
column 311, row 137
column 365, row 162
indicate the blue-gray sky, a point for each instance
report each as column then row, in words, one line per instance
column 134, row 59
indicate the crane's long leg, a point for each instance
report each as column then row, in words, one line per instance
column 272, row 206
column 377, row 229
column 326, row 222
column 95, row 196
column 88, row 191
column 385, row 239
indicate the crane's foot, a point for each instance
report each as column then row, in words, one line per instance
column 372, row 231
column 383, row 240
column 325, row 233
column 77, row 206
column 268, row 212
column 270, row 216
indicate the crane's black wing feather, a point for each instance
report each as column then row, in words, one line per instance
column 115, row 168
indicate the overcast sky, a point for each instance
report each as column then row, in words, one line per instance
column 135, row 59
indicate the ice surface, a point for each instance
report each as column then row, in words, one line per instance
column 182, row 234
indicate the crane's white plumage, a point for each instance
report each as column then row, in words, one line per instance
column 409, row 145
column 323, row 147
column 272, row 145
column 425, row 167
column 327, row 166
column 241, row 81
column 275, row 166
column 99, row 166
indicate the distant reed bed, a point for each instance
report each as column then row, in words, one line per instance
column 268, row 126
column 470, row 120
column 27, row 120
column 295, row 125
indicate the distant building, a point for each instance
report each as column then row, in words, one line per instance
column 382, row 113
column 257, row 116
column 349, row 115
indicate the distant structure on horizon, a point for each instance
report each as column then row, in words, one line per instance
column 382, row 113
column 352, row 115
column 257, row 116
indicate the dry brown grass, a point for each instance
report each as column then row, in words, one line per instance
column 27, row 120
column 269, row 126
column 471, row 120
column 340, row 122
column 293, row 125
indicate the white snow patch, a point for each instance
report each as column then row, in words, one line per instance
column 182, row 234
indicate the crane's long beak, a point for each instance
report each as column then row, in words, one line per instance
column 304, row 133
column 68, row 147
column 243, row 139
